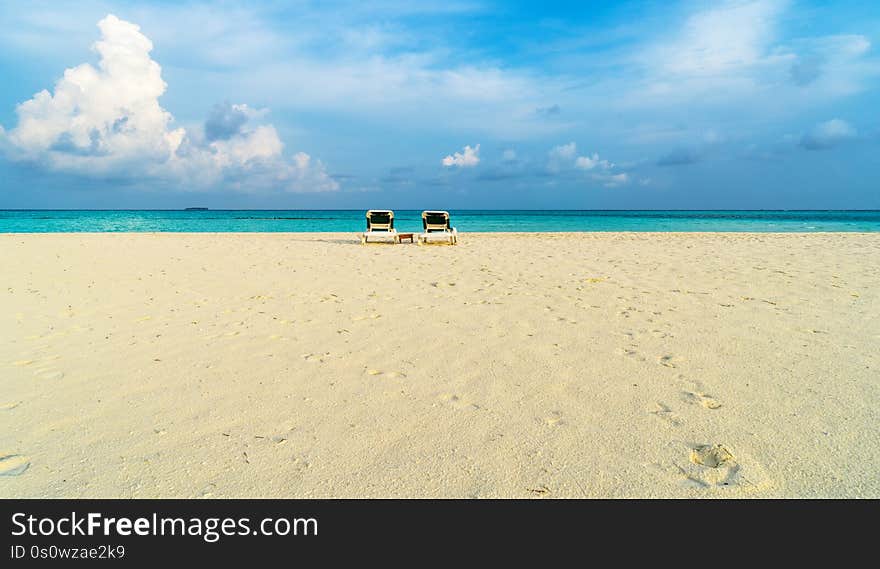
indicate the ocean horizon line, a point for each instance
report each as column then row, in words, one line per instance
column 409, row 220
column 195, row 209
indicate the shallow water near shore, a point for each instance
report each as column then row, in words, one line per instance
column 308, row 221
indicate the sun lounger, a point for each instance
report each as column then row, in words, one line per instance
column 380, row 223
column 436, row 227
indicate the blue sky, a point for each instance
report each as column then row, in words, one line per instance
column 660, row 105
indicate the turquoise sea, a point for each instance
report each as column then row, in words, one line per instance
column 55, row 221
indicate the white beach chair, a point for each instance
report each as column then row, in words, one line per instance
column 380, row 223
column 435, row 225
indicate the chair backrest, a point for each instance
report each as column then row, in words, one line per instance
column 380, row 220
column 435, row 221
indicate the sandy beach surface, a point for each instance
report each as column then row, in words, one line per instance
column 511, row 365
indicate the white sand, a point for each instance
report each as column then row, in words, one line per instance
column 564, row 365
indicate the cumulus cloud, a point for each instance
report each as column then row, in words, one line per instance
column 563, row 151
column 564, row 158
column 561, row 157
column 470, row 157
column 104, row 115
column 592, row 162
column 613, row 180
column 226, row 120
column 108, row 121
column 828, row 134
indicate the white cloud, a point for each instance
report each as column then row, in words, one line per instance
column 732, row 35
column 563, row 151
column 614, row 180
column 227, row 120
column 509, row 155
column 831, row 66
column 828, row 134
column 409, row 83
column 720, row 53
column 560, row 157
column 564, row 158
column 734, row 55
column 102, row 114
column 108, row 120
column 835, row 46
column 370, row 62
column 468, row 158
column 591, row 162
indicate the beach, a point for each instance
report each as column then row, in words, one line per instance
column 513, row 365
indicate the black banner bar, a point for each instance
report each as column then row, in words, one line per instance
column 421, row 531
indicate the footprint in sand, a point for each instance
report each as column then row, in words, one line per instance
column 48, row 374
column 713, row 456
column 554, row 419
column 715, row 466
column 710, row 466
column 630, row 352
column 13, row 464
column 670, row 361
column 666, row 414
column 207, row 491
column 458, row 402
column 316, row 357
column 388, row 374
column 9, row 405
column 814, row 331
column 22, row 362
column 697, row 398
